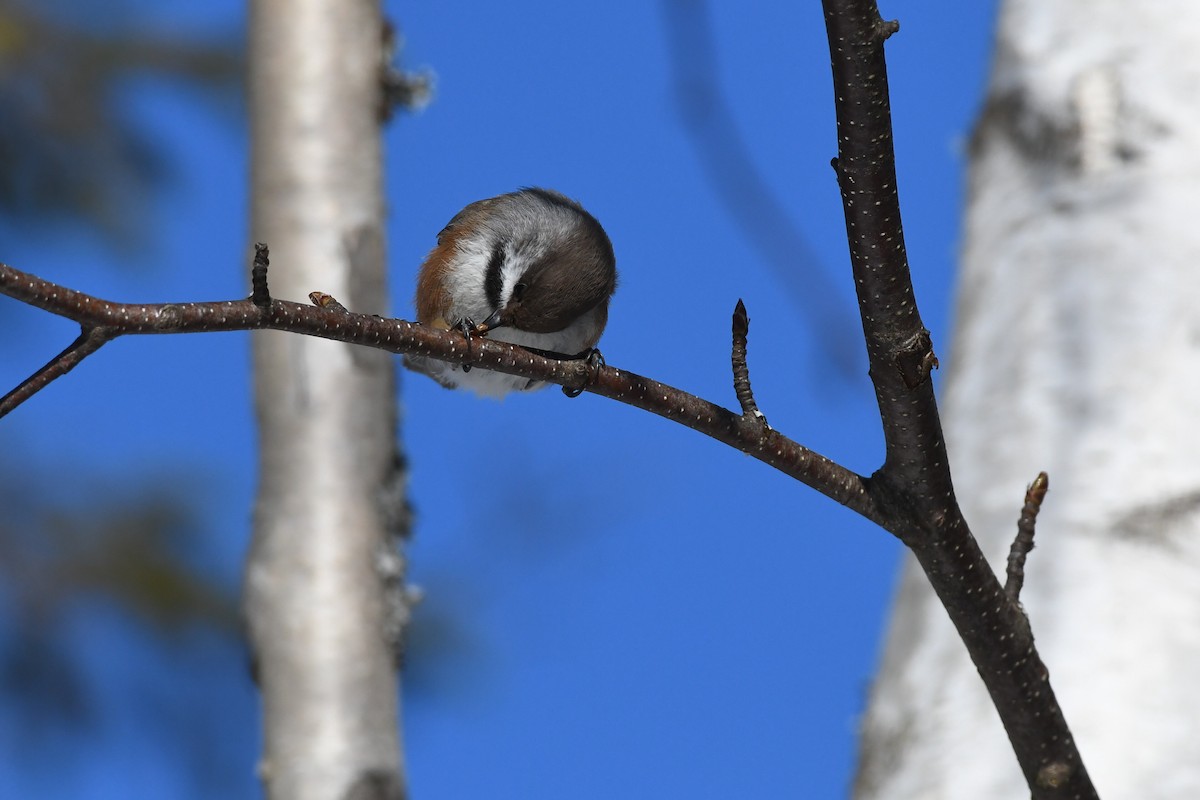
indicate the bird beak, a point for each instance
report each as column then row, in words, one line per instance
column 494, row 321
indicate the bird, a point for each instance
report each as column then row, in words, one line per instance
column 530, row 267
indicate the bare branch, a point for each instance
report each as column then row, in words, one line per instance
column 913, row 487
column 398, row 336
column 1023, row 542
column 89, row 341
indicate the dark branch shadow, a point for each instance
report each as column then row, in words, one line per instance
column 746, row 194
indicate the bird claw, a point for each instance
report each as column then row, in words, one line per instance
column 594, row 360
column 467, row 327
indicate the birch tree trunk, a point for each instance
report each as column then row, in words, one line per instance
column 316, row 598
column 1077, row 351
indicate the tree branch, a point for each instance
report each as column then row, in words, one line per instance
column 89, row 341
column 747, row 434
column 913, row 488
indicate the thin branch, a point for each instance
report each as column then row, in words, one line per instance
column 913, row 487
column 398, row 336
column 89, row 341
column 741, row 371
column 1023, row 542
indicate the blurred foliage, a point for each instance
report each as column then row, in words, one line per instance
column 122, row 575
column 69, row 151
column 114, row 616
column 72, row 154
column 137, row 548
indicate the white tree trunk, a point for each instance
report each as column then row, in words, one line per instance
column 1077, row 351
column 316, row 602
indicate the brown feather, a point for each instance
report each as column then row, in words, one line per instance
column 433, row 300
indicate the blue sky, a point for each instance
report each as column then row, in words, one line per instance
column 623, row 607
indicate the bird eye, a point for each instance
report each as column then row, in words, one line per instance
column 518, row 290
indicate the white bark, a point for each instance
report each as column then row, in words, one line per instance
column 315, row 600
column 1077, row 351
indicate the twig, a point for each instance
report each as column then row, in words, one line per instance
column 741, row 371
column 89, row 341
column 1023, row 542
column 260, row 295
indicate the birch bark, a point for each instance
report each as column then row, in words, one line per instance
column 1076, row 351
column 316, row 599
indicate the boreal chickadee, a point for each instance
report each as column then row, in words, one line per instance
column 530, row 267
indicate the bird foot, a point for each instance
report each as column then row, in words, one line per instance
column 467, row 327
column 594, row 360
